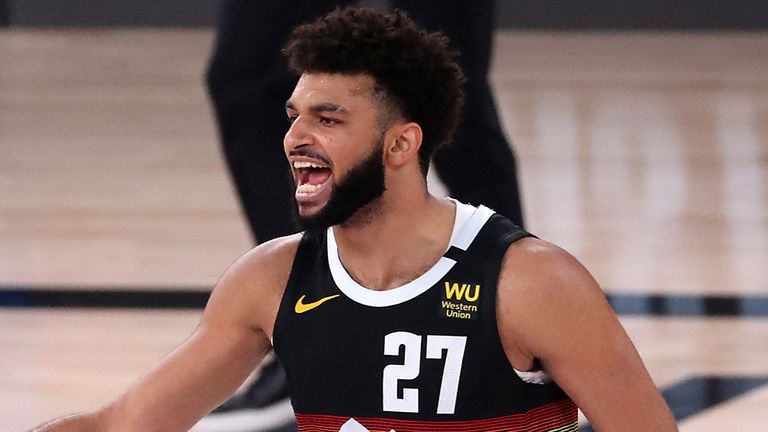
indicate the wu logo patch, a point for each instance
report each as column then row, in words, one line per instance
column 456, row 291
column 460, row 300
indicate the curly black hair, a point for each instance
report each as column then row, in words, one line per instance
column 415, row 69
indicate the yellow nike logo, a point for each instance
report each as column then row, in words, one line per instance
column 302, row 307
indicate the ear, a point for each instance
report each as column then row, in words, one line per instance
column 402, row 144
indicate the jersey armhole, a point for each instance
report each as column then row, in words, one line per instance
column 310, row 243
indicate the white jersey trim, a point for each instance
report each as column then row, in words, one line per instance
column 536, row 377
column 467, row 224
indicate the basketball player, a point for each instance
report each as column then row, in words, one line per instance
column 396, row 310
column 248, row 78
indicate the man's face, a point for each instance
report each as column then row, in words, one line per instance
column 335, row 147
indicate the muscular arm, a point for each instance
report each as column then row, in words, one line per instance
column 551, row 309
column 232, row 338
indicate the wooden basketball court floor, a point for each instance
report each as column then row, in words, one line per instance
column 645, row 155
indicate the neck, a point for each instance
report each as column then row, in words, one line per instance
column 395, row 241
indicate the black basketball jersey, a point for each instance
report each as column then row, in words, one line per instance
column 425, row 356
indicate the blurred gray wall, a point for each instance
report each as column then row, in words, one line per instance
column 111, row 13
column 518, row 14
column 634, row 14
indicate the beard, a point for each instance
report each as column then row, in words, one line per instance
column 359, row 188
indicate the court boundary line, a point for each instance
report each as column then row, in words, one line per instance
column 186, row 297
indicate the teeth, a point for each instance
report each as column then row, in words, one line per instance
column 307, row 188
column 303, row 164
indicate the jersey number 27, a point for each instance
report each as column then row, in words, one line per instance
column 437, row 345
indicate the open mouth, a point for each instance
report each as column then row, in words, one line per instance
column 311, row 176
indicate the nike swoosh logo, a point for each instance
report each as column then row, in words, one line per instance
column 302, row 307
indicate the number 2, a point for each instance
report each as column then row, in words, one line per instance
column 453, row 346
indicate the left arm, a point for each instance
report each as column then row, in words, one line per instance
column 550, row 309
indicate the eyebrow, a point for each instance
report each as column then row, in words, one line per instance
column 320, row 107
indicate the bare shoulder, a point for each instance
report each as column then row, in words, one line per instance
column 250, row 290
column 552, row 314
column 543, row 289
column 538, row 269
column 272, row 259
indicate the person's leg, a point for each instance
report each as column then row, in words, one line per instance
column 479, row 167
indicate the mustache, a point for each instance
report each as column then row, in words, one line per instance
column 310, row 154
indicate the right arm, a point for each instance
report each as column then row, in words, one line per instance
column 232, row 338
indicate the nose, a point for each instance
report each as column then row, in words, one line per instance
column 297, row 136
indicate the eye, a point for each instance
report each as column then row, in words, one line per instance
column 292, row 118
column 327, row 121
